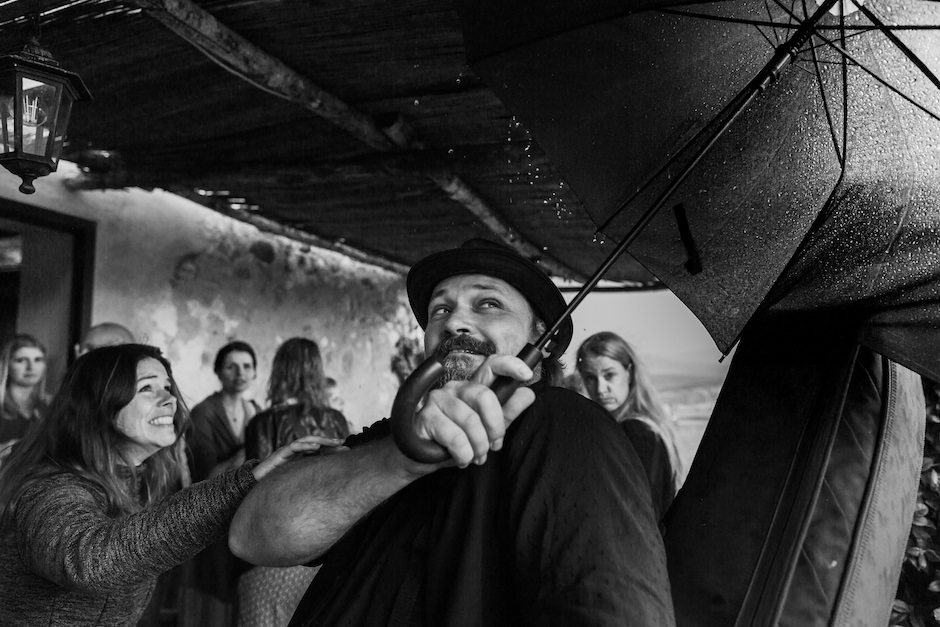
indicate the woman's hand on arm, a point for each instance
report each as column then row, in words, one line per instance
column 307, row 445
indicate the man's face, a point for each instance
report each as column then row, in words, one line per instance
column 471, row 316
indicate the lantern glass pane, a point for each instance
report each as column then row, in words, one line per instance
column 61, row 127
column 7, row 115
column 40, row 108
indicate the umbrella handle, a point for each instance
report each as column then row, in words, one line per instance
column 418, row 384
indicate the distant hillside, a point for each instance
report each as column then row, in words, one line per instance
column 691, row 403
column 691, row 407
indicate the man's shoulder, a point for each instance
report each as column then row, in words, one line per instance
column 564, row 404
column 561, row 414
column 563, row 429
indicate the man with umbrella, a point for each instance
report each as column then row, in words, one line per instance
column 557, row 526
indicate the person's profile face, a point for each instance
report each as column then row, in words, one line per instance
column 471, row 316
column 606, row 380
column 27, row 366
column 237, row 372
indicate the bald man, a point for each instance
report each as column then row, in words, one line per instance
column 104, row 334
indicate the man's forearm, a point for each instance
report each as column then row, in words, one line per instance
column 297, row 512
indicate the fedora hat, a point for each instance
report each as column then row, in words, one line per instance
column 482, row 256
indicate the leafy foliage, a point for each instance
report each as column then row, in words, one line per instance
column 918, row 598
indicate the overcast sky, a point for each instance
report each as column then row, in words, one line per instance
column 674, row 345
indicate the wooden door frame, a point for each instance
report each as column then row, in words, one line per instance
column 84, row 233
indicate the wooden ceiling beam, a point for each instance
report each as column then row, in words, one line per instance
column 376, row 164
column 250, row 63
column 239, row 56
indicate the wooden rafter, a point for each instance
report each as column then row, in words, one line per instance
column 242, row 58
column 239, row 56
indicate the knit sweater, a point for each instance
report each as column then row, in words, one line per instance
column 65, row 562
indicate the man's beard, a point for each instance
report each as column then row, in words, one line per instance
column 460, row 366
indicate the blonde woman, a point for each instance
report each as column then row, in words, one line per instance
column 614, row 378
column 23, row 399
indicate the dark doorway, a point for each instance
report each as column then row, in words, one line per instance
column 46, row 266
column 11, row 260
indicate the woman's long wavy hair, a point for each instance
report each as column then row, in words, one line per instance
column 7, row 351
column 80, row 435
column 297, row 373
column 642, row 401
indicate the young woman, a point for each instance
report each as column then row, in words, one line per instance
column 86, row 523
column 217, row 439
column 23, row 399
column 299, row 397
column 614, row 378
column 216, row 443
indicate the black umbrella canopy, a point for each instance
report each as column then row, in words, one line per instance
column 823, row 193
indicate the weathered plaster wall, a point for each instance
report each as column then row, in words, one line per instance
column 188, row 280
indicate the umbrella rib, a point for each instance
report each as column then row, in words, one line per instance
column 825, row 100
column 795, row 19
column 856, row 30
column 812, row 47
column 887, row 32
column 841, row 29
column 772, row 43
column 733, row 20
column 900, row 44
column 845, row 90
column 776, row 41
column 871, row 73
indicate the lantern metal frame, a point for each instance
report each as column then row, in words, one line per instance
column 34, row 63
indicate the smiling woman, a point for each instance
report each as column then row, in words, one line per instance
column 148, row 421
column 87, row 522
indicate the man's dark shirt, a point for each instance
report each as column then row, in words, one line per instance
column 557, row 528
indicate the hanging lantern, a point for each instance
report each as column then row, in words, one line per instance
column 36, row 98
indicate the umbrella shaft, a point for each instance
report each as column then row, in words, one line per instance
column 787, row 51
